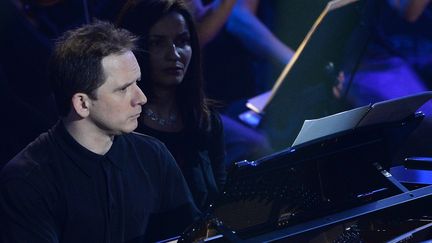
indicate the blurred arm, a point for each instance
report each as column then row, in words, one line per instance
column 411, row 10
column 244, row 24
column 210, row 18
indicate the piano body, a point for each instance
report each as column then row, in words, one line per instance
column 335, row 188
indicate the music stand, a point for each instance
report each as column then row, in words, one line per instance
column 303, row 90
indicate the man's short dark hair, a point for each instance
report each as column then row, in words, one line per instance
column 76, row 64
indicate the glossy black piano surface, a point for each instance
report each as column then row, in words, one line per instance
column 297, row 193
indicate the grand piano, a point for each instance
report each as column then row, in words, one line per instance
column 331, row 188
column 329, row 185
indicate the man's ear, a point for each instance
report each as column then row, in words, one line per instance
column 81, row 103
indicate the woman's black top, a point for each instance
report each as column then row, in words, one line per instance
column 200, row 155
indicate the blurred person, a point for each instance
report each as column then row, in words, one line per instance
column 28, row 29
column 252, row 48
column 238, row 72
column 251, row 52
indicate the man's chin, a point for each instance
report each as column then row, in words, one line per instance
column 127, row 128
column 130, row 128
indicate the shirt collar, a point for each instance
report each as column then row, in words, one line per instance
column 118, row 153
column 85, row 159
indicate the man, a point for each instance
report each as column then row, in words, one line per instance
column 88, row 179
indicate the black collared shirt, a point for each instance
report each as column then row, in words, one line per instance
column 56, row 190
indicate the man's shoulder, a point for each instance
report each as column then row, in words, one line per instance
column 149, row 151
column 140, row 139
column 145, row 144
column 34, row 156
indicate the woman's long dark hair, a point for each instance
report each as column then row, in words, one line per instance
column 138, row 16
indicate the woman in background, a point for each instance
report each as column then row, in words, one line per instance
column 177, row 112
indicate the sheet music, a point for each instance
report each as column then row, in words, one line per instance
column 395, row 109
column 317, row 128
column 385, row 111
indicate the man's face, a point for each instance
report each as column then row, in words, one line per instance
column 118, row 101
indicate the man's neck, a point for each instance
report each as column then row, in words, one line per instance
column 89, row 136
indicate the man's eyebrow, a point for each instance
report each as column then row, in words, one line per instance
column 128, row 84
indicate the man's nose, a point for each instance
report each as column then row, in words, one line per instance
column 140, row 98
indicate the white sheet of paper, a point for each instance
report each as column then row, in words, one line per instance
column 317, row 128
column 386, row 111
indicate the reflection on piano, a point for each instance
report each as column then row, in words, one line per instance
column 333, row 189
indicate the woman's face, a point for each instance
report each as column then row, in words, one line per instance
column 170, row 50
